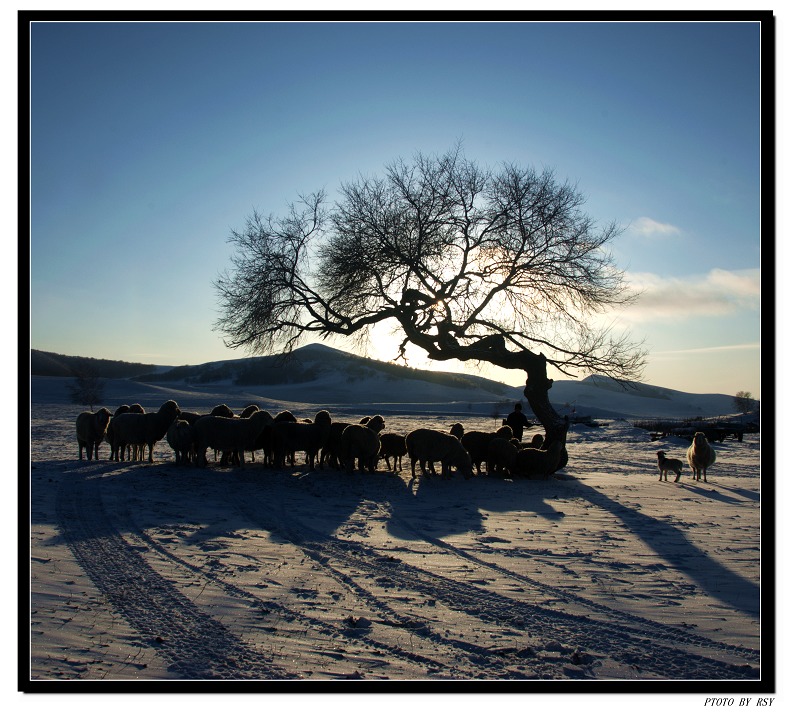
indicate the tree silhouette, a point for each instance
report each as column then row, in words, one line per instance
column 497, row 266
column 743, row 401
column 87, row 388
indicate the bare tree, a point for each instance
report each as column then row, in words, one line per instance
column 87, row 388
column 498, row 266
column 743, row 401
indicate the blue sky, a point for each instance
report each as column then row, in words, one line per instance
column 151, row 142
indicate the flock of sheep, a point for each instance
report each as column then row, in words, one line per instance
column 700, row 456
column 324, row 442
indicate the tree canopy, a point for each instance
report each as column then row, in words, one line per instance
column 502, row 266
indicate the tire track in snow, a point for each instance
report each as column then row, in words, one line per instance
column 195, row 645
column 657, row 630
column 629, row 645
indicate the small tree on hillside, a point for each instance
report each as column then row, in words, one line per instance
column 87, row 388
column 499, row 266
column 743, row 401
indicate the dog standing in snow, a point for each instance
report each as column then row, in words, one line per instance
column 666, row 464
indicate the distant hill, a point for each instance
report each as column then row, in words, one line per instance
column 52, row 364
column 317, row 374
column 310, row 364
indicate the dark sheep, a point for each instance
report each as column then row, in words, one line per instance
column 537, row 464
column 180, row 439
column 393, row 445
column 288, row 437
column 477, row 443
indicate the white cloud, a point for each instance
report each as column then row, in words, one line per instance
column 718, row 293
column 651, row 228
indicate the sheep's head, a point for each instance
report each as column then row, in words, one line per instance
column 700, row 439
column 376, row 424
column 103, row 416
column 457, row 430
column 285, row 416
column 222, row 410
column 505, row 432
column 170, row 408
column 323, row 418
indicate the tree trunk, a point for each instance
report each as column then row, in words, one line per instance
column 537, row 394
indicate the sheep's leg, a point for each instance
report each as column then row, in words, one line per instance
column 678, row 477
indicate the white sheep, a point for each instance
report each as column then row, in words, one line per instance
column 144, row 429
column 666, row 464
column 700, row 456
column 91, row 429
column 361, row 444
column 427, row 445
column 231, row 435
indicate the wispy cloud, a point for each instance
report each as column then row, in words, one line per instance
column 652, row 228
column 718, row 293
column 755, row 346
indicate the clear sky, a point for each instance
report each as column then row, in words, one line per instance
column 151, row 142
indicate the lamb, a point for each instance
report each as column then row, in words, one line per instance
column 144, row 429
column 289, row 437
column 361, row 444
column 700, row 456
column 180, row 439
column 535, row 463
column 427, row 445
column 91, row 429
column 500, row 456
column 392, row 444
column 232, row 435
column 666, row 464
column 477, row 443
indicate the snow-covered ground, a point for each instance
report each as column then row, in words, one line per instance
column 147, row 572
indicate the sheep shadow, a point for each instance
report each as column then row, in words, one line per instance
column 441, row 508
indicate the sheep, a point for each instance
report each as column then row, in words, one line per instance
column 91, row 429
column 180, row 439
column 109, row 436
column 361, row 444
column 427, row 445
column 331, row 452
column 135, row 451
column 537, row 440
column 537, row 463
column 392, row 444
column 144, row 429
column 500, row 456
column 249, row 410
column 222, row 410
column 264, row 439
column 476, row 443
column 666, row 464
column 457, row 430
column 232, row 435
column 290, row 436
column 700, row 456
